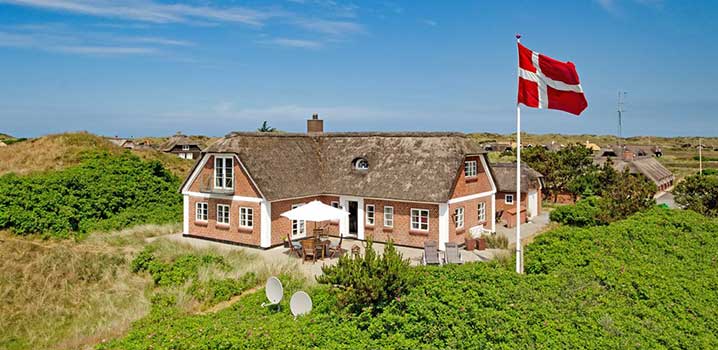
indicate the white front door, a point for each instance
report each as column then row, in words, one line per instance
column 533, row 203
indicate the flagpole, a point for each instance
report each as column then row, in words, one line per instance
column 519, row 255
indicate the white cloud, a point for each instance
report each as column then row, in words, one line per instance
column 40, row 38
column 295, row 43
column 331, row 27
column 430, row 23
column 105, row 50
column 225, row 111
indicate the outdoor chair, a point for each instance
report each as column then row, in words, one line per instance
column 499, row 215
column 310, row 250
column 295, row 248
column 335, row 250
column 431, row 253
column 452, row 254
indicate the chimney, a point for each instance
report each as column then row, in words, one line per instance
column 315, row 125
column 627, row 154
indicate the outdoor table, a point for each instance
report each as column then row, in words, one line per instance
column 325, row 247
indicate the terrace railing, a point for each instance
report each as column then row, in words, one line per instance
column 207, row 185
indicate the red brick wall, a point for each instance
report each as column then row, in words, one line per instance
column 401, row 233
column 242, row 183
column 233, row 232
column 471, row 218
column 281, row 226
column 464, row 186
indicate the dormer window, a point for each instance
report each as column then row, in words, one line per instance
column 185, row 147
column 361, row 164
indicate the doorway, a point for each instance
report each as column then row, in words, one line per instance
column 353, row 217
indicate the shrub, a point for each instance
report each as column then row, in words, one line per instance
column 584, row 213
column 369, row 280
column 699, row 193
column 177, row 272
column 103, row 192
column 214, row 291
column 497, row 241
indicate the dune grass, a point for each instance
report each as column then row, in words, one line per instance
column 64, row 294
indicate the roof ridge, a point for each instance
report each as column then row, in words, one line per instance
column 350, row 134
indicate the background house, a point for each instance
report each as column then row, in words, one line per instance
column 183, row 146
column 120, row 142
column 641, row 163
column 531, row 185
column 408, row 187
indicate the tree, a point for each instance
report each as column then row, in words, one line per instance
column 699, row 193
column 562, row 170
column 266, row 128
column 625, row 195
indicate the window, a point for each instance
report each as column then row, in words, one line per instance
column 223, row 214
column 201, row 211
column 335, row 204
column 299, row 227
column 482, row 212
column 420, row 219
column 185, row 147
column 459, row 217
column 223, row 167
column 388, row 216
column 246, row 217
column 509, row 199
column 361, row 164
column 370, row 214
column 470, row 168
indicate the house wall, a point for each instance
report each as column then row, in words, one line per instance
column 232, row 233
column 480, row 183
column 242, row 183
column 401, row 233
column 471, row 218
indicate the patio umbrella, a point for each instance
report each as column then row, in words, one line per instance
column 315, row 211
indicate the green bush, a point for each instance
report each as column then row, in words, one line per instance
column 699, row 193
column 584, row 213
column 648, row 282
column 369, row 280
column 103, row 192
column 176, row 272
column 214, row 291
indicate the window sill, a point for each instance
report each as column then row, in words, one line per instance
column 371, row 226
column 460, row 230
column 418, row 233
column 472, row 179
column 222, row 226
column 201, row 223
column 388, row 229
column 243, row 229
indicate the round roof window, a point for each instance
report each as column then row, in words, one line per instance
column 361, row 164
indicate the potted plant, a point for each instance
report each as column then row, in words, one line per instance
column 470, row 243
column 481, row 242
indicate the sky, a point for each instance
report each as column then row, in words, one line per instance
column 135, row 68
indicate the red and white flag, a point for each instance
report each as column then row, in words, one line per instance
column 547, row 83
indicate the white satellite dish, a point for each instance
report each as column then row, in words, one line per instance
column 274, row 291
column 300, row 304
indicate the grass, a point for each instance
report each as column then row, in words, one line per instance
column 59, row 151
column 75, row 294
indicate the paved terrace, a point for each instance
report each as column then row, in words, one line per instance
column 280, row 255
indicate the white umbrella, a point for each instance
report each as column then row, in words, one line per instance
column 315, row 211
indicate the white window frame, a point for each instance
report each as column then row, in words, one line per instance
column 227, row 206
column 388, row 216
column 299, row 227
column 481, row 211
column 185, row 147
column 418, row 216
column 201, row 211
column 459, row 217
column 506, row 199
column 370, row 214
column 361, row 164
column 470, row 168
column 246, row 217
column 223, row 180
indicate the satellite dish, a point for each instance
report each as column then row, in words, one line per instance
column 274, row 291
column 300, row 304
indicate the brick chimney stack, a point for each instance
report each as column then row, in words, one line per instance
column 627, row 154
column 315, row 125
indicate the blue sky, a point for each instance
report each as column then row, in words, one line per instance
column 150, row 67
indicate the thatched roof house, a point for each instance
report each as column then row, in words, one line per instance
column 402, row 186
column 531, row 185
column 645, row 164
column 183, row 146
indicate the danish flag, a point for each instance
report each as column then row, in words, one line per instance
column 547, row 83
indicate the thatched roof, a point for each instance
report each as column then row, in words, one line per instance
column 179, row 139
column 505, row 177
column 405, row 166
column 648, row 166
